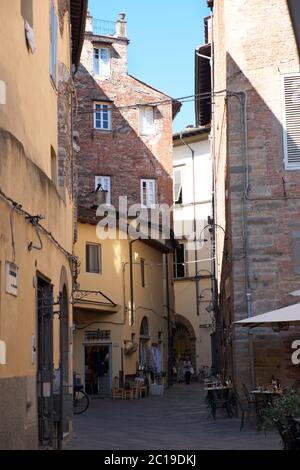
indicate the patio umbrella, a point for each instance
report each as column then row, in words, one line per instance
column 281, row 318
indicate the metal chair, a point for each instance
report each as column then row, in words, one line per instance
column 254, row 406
column 289, row 441
column 219, row 400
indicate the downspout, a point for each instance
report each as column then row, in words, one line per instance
column 131, row 281
column 170, row 336
column 242, row 98
column 214, row 202
column 194, row 223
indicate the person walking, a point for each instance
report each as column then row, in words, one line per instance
column 188, row 371
column 180, row 370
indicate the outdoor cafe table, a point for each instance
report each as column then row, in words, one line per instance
column 218, row 394
column 266, row 395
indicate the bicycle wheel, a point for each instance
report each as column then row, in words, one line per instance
column 81, row 402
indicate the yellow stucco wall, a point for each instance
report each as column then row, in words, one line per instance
column 28, row 129
column 185, row 305
column 30, row 112
column 114, row 282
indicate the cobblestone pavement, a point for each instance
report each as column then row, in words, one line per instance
column 177, row 420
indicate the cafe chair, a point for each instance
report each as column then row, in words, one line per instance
column 289, row 441
column 254, row 406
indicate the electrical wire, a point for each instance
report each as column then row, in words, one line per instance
column 18, row 209
column 12, row 233
column 182, row 100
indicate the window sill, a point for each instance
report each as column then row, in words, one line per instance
column 147, row 135
column 103, row 130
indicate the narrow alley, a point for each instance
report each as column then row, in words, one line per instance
column 176, row 420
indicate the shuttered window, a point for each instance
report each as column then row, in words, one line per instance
column 143, row 273
column 104, row 181
column 53, row 43
column 147, row 123
column 148, row 193
column 177, row 180
column 27, row 11
column 291, row 120
column 179, row 262
column 93, row 258
column 101, row 62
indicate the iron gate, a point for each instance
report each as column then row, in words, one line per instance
column 45, row 362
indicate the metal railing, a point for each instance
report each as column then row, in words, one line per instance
column 104, row 28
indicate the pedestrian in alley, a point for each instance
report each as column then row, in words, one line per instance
column 188, row 370
column 180, row 370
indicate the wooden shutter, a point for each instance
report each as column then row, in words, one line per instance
column 177, row 173
column 148, row 193
column 96, row 62
column 146, row 120
column 93, row 258
column 291, row 120
column 104, row 66
column 151, row 193
column 53, row 43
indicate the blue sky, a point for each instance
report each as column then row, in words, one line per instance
column 163, row 35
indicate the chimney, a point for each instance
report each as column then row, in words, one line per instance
column 89, row 23
column 121, row 26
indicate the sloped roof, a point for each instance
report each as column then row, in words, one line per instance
column 176, row 105
column 78, row 13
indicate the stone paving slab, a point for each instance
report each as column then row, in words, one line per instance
column 175, row 421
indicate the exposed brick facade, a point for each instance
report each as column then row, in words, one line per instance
column 121, row 152
column 254, row 46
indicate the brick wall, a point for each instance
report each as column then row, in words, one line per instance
column 121, row 153
column 254, row 45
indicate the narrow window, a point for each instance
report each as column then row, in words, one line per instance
column 148, row 193
column 101, row 64
column 296, row 252
column 53, row 166
column 27, row 11
column 102, row 116
column 53, row 44
column 93, row 258
column 147, row 122
column 102, row 183
column 143, row 272
column 291, row 120
column 177, row 178
column 179, row 260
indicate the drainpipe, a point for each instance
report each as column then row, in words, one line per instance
column 170, row 337
column 131, row 281
column 194, row 223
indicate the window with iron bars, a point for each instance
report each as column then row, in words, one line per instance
column 97, row 335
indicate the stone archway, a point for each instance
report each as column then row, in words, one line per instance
column 184, row 339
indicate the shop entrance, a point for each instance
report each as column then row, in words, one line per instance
column 97, row 362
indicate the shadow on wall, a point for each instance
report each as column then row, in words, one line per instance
column 270, row 234
column 119, row 153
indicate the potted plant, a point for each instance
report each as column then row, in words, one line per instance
column 286, row 405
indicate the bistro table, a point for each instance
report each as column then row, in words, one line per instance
column 218, row 397
column 266, row 395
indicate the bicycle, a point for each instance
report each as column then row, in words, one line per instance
column 81, row 399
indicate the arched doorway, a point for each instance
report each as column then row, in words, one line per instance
column 184, row 339
column 144, row 339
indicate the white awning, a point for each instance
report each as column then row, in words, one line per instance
column 290, row 315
